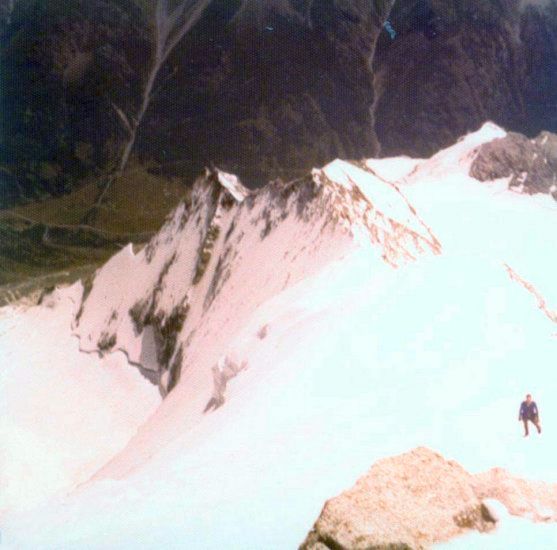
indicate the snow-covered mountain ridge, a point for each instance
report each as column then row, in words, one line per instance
column 305, row 331
column 225, row 239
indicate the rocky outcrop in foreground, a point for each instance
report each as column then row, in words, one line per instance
column 418, row 499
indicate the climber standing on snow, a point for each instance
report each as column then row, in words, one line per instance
column 529, row 412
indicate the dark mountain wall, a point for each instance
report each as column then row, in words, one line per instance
column 268, row 90
column 454, row 65
column 63, row 65
column 264, row 89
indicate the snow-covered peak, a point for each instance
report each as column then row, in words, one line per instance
column 231, row 183
column 381, row 201
column 459, row 157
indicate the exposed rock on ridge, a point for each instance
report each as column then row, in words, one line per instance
column 531, row 164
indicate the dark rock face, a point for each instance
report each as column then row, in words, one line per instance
column 455, row 65
column 265, row 89
column 272, row 89
column 6, row 8
column 64, row 63
column 532, row 163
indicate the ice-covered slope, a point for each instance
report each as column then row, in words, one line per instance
column 320, row 346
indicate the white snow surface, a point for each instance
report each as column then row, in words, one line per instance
column 351, row 318
column 63, row 413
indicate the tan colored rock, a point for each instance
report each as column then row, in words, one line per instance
column 417, row 499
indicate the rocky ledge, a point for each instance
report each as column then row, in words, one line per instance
column 530, row 163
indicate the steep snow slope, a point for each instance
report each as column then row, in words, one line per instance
column 331, row 330
column 63, row 414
